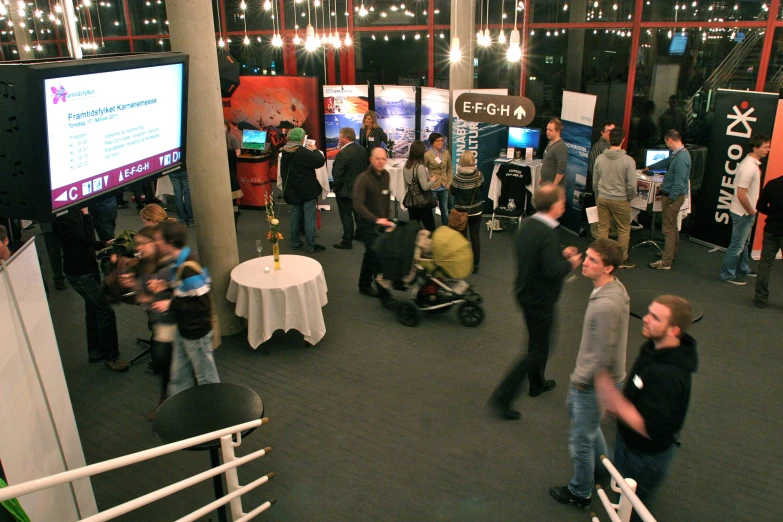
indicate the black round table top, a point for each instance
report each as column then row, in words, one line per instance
column 641, row 299
column 204, row 409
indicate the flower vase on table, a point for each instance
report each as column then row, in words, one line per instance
column 276, row 252
column 274, row 235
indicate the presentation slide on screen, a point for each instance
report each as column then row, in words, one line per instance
column 109, row 129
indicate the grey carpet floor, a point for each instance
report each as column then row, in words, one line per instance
column 383, row 422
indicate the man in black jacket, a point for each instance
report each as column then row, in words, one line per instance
column 371, row 199
column 348, row 164
column 541, row 269
column 76, row 233
column 651, row 409
column 300, row 187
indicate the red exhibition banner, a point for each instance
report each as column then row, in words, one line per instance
column 774, row 170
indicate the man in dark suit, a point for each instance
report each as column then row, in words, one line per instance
column 541, row 269
column 348, row 164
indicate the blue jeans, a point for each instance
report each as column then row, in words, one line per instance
column 736, row 261
column 308, row 209
column 179, row 180
column 647, row 469
column 100, row 321
column 105, row 223
column 192, row 357
column 445, row 204
column 586, row 442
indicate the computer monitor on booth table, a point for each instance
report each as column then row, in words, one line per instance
column 523, row 137
column 253, row 139
column 654, row 156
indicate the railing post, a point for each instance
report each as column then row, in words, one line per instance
column 625, row 508
column 232, row 478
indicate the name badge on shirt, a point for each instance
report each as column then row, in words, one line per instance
column 637, row 381
column 384, row 192
column 371, row 138
column 438, row 161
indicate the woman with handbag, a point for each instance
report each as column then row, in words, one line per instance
column 415, row 173
column 468, row 203
column 438, row 163
column 371, row 134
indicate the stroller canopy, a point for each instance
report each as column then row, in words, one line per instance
column 451, row 253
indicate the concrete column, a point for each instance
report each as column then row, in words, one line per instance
column 21, row 34
column 576, row 45
column 463, row 26
column 193, row 32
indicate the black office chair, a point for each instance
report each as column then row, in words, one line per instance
column 512, row 202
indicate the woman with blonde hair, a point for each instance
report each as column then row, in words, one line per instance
column 371, row 134
column 467, row 191
column 153, row 214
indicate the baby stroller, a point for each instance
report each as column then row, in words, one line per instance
column 431, row 270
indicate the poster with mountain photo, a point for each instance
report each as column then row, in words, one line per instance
column 396, row 109
column 344, row 106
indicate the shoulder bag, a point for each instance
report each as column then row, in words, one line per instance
column 458, row 220
column 417, row 198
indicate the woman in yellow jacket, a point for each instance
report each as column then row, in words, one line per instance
column 438, row 163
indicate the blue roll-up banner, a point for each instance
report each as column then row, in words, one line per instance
column 484, row 139
column 577, row 115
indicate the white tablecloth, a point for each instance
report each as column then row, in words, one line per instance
column 287, row 299
column 495, row 183
column 396, row 179
column 321, row 174
column 164, row 187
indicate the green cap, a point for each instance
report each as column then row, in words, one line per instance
column 296, row 134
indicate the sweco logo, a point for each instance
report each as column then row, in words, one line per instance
column 60, row 94
column 743, row 118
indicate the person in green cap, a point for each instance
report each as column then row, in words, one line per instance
column 301, row 187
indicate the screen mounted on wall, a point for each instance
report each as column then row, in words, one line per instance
column 111, row 128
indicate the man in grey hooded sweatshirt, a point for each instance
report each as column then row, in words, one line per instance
column 603, row 347
column 614, row 185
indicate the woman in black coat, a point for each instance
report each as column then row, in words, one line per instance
column 371, row 134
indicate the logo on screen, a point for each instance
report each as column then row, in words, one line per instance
column 60, row 94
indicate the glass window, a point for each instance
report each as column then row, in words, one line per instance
column 492, row 70
column 701, row 10
column 311, row 63
column 253, row 18
column 379, row 13
column 9, row 52
column 151, row 45
column 441, row 61
column 678, row 72
column 148, row 17
column 107, row 18
column 592, row 61
column 258, row 58
column 396, row 58
column 565, row 11
column 775, row 71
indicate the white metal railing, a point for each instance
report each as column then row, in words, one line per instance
column 621, row 512
column 230, row 463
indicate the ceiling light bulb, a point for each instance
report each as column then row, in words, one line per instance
column 221, row 43
column 455, row 54
column 246, row 41
column 502, row 37
column 267, row 5
column 297, row 40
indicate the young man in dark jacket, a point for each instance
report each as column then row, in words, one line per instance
column 192, row 353
column 76, row 233
column 301, row 187
column 541, row 269
column 651, row 408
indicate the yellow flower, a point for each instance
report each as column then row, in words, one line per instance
column 275, row 221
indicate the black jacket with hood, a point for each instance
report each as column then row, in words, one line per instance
column 297, row 167
column 659, row 386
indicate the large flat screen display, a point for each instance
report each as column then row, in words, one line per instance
column 522, row 137
column 111, row 128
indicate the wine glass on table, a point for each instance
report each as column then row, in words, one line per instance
column 259, row 247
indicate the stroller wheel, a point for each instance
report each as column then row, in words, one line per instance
column 408, row 313
column 470, row 314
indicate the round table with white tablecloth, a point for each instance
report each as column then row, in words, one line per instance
column 287, row 299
